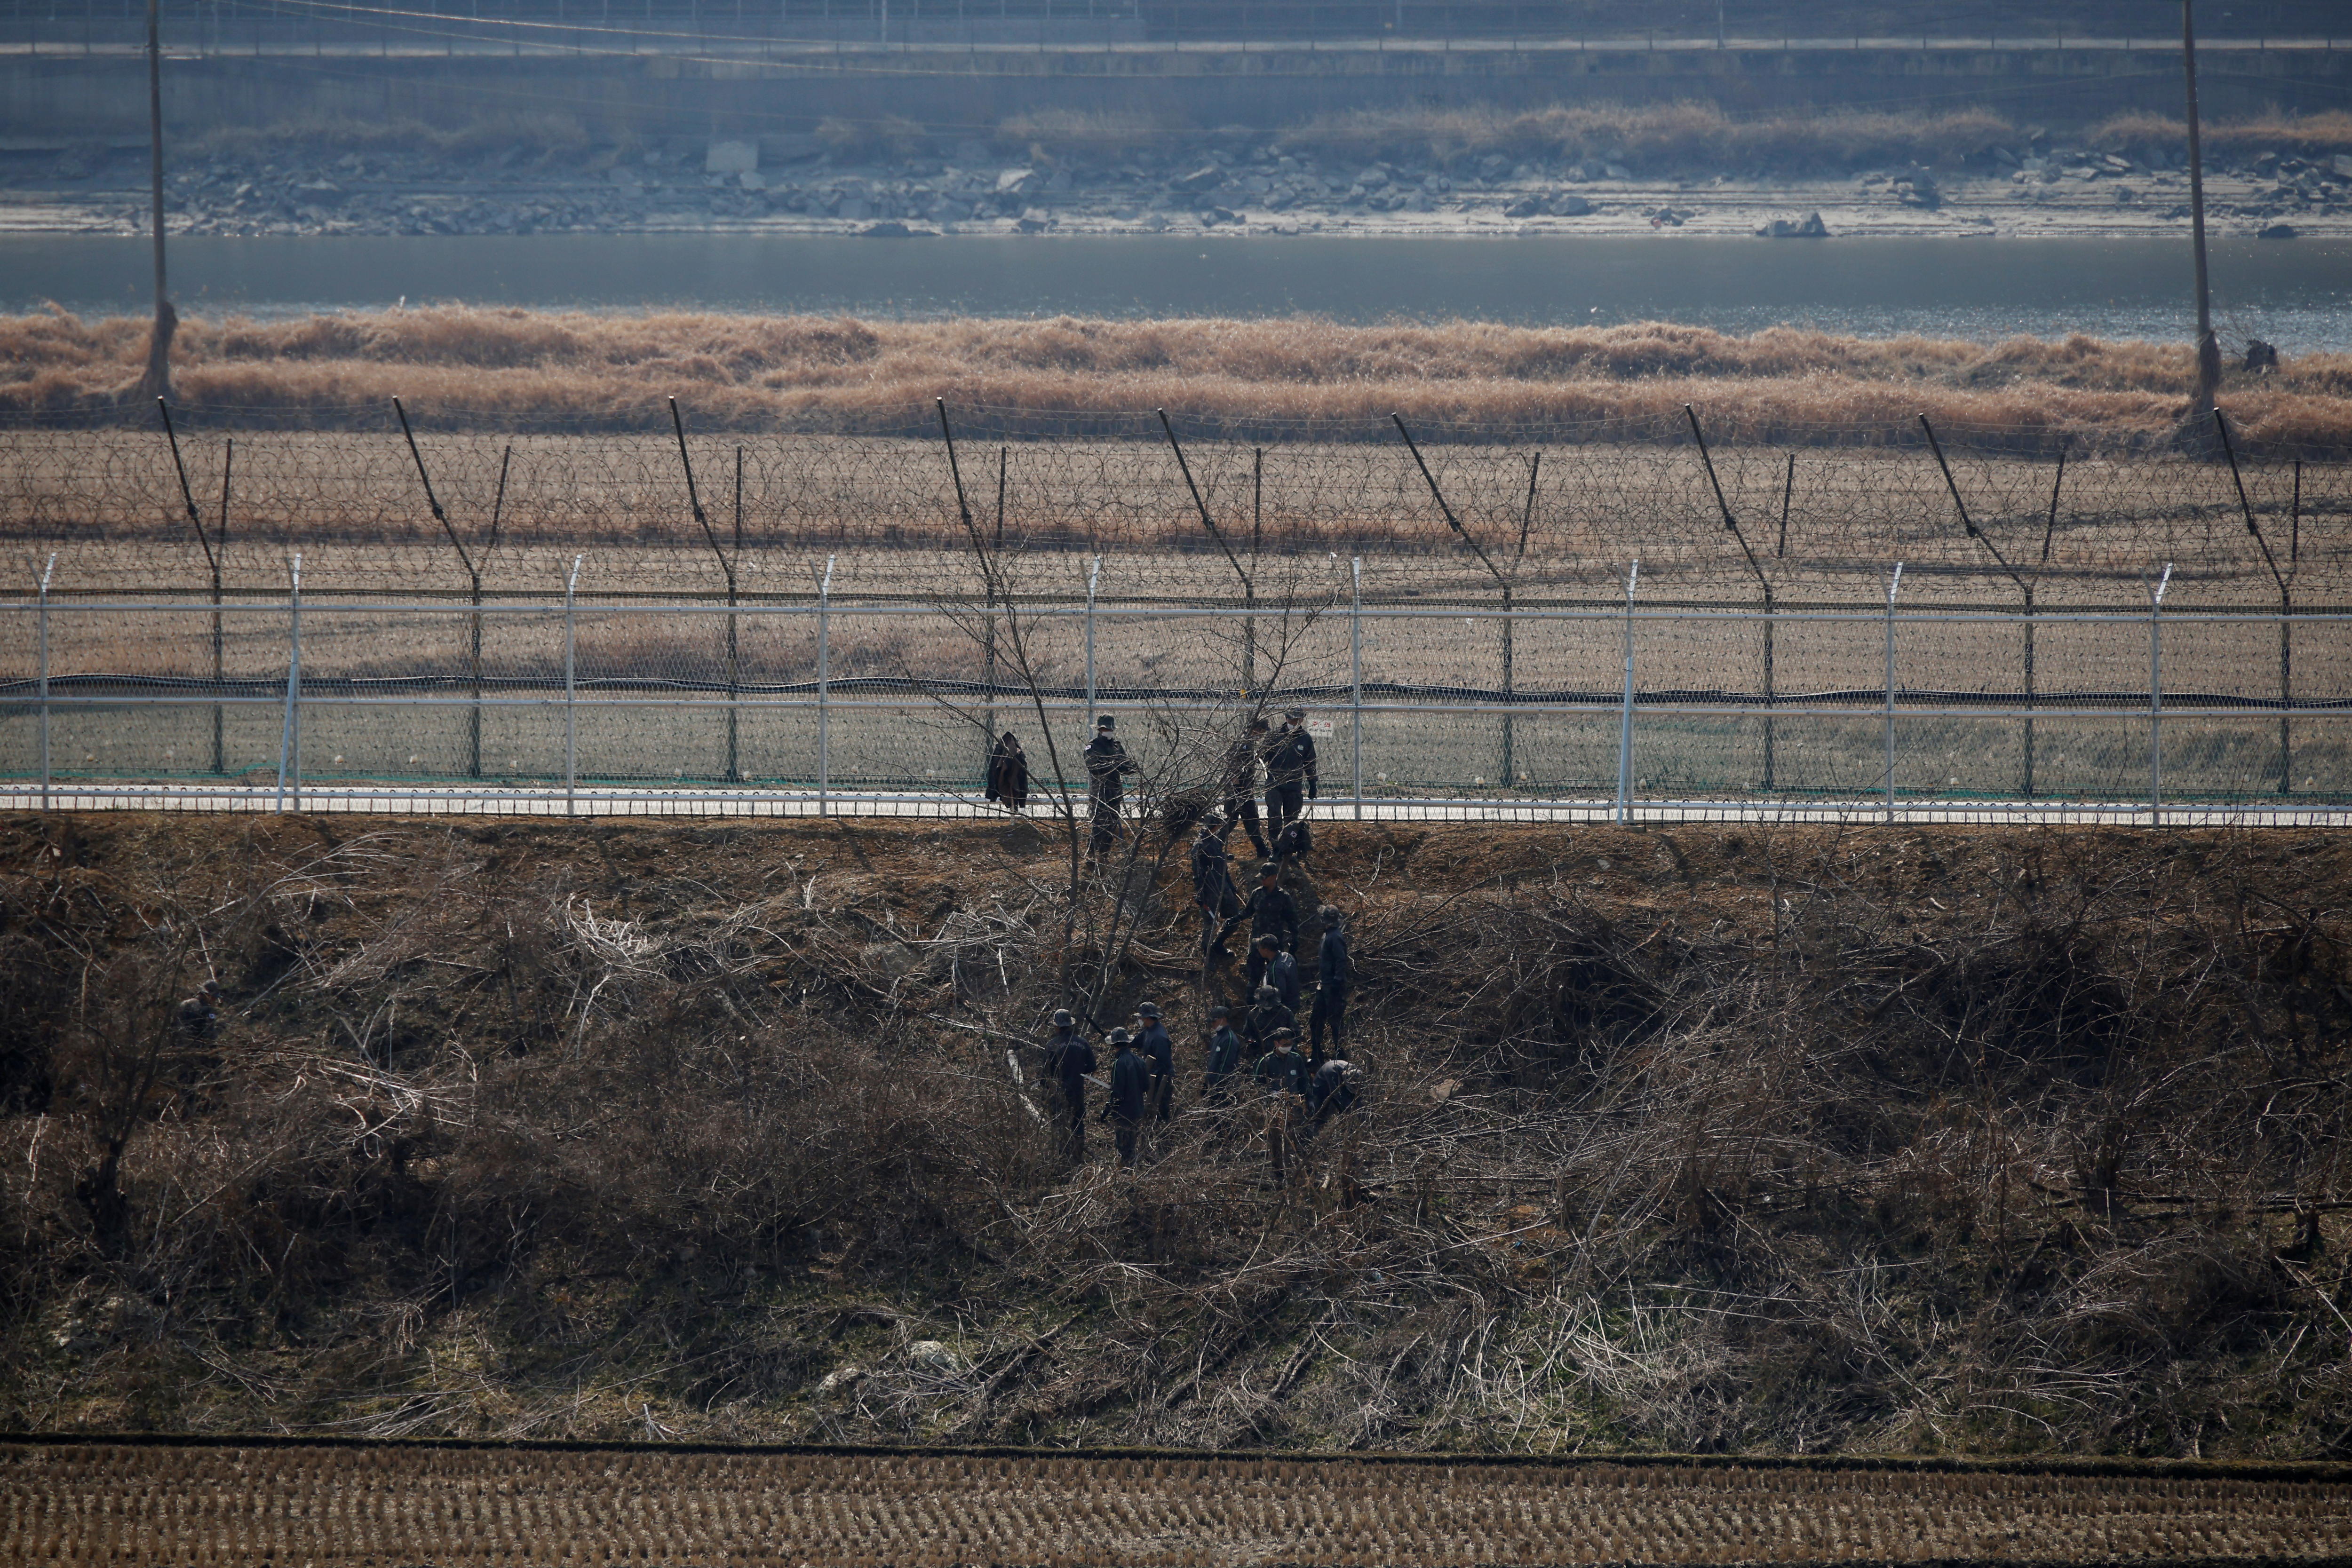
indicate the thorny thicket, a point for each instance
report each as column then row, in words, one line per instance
column 1704, row 1137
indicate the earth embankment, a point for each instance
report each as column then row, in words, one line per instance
column 1764, row 1140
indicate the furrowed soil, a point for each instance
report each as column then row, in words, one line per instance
column 70, row 1504
column 1746, row 1140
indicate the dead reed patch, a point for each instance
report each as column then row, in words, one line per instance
column 459, row 367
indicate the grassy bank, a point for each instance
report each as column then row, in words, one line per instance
column 493, row 368
column 1945, row 1141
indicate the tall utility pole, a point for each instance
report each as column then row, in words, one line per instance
column 2209, row 349
column 157, row 382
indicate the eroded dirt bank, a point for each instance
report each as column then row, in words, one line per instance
column 1957, row 1140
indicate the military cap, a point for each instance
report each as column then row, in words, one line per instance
column 1269, row 868
column 1063, row 1017
column 1147, row 1009
column 1120, row 1037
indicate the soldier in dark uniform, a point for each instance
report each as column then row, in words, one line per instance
column 1212, row 885
column 1224, row 1053
column 1008, row 774
column 1243, row 763
column 1130, row 1093
column 1332, row 1090
column 1281, row 970
column 1291, row 779
column 1159, row 1055
column 1267, row 1018
column 1281, row 1076
column 1334, row 972
column 1271, row 912
column 1069, row 1059
column 1108, row 766
column 200, row 1014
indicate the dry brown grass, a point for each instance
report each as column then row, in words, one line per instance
column 2311, row 135
column 1657, row 136
column 101, row 1503
column 1789, row 386
column 1940, row 1140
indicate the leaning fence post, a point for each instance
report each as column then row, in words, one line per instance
column 2155, row 697
column 1893, row 585
column 1356, row 682
column 823, row 690
column 45, row 677
column 571, row 692
column 290, row 734
column 1094, row 576
column 1625, row 722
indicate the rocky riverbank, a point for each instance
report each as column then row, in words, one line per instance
column 1219, row 186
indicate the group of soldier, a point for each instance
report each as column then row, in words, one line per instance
column 1252, row 1050
column 1258, row 1061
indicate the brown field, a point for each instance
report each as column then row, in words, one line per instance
column 476, row 370
column 76, row 1504
column 1823, row 525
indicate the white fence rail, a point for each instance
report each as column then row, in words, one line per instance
column 1546, row 712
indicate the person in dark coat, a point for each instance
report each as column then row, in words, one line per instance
column 200, row 1014
column 1332, row 1090
column 1008, row 774
column 1282, row 1076
column 1271, row 912
column 1107, row 767
column 1244, row 766
column 1335, row 971
column 1291, row 779
column 1069, row 1059
column 1130, row 1093
column 1212, row 885
column 1281, row 971
column 1224, row 1055
column 1159, row 1055
column 1267, row 1018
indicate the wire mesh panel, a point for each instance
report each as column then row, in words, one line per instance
column 861, row 613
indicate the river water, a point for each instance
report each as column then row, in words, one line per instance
column 2294, row 293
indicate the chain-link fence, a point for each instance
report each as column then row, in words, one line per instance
column 847, row 622
column 1417, row 707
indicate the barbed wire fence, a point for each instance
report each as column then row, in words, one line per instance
column 786, row 615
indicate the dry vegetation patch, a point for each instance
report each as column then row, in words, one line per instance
column 1763, row 1140
column 460, row 367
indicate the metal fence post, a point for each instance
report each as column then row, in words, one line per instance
column 1094, row 576
column 2155, row 697
column 1893, row 585
column 290, row 734
column 1625, row 723
column 571, row 691
column 823, row 690
column 46, row 571
column 1356, row 682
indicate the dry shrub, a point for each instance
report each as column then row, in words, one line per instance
column 1099, row 134
column 537, row 135
column 1655, row 137
column 464, row 366
column 1721, row 1138
column 2311, row 135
